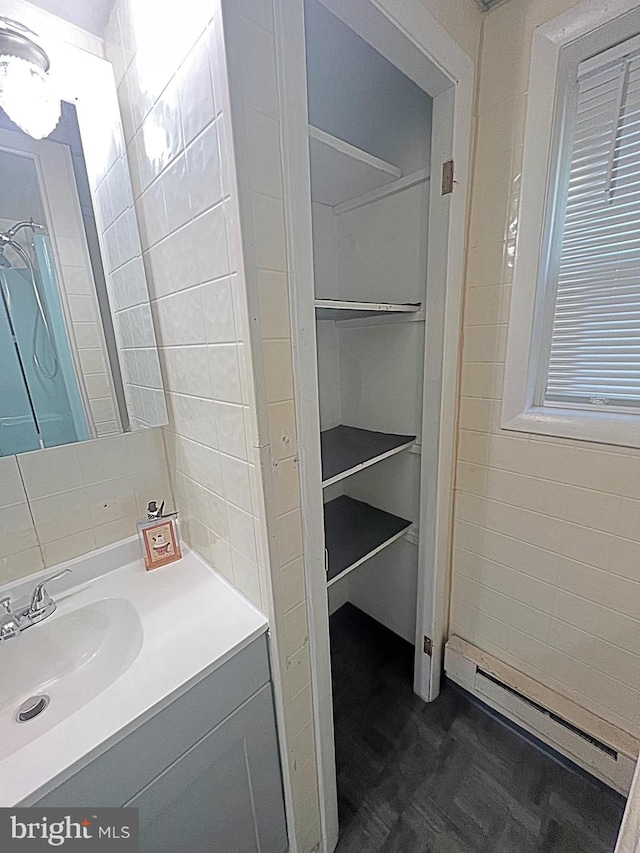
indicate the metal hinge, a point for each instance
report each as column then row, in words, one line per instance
column 447, row 177
column 326, row 561
column 427, row 646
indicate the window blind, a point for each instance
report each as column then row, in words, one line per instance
column 594, row 356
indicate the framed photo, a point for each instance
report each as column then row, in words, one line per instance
column 160, row 544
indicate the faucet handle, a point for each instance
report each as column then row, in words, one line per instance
column 5, row 603
column 9, row 630
column 41, row 598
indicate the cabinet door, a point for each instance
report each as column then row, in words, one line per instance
column 222, row 796
column 126, row 768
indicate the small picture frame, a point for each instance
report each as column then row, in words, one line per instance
column 160, row 544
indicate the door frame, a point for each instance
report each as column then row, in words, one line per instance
column 411, row 39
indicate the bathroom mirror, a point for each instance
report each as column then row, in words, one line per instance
column 77, row 343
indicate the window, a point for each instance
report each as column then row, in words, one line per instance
column 573, row 361
column 594, row 355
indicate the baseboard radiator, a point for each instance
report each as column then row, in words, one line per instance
column 592, row 743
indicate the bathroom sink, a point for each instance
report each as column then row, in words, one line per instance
column 121, row 644
column 69, row 658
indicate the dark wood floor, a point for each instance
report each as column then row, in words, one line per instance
column 445, row 777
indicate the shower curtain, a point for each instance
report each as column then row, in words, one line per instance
column 36, row 410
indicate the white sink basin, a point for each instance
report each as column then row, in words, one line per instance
column 70, row 657
column 122, row 643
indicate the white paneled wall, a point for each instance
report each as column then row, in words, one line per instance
column 59, row 503
column 546, row 566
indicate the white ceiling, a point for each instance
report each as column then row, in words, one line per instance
column 90, row 15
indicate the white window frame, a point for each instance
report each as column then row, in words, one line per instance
column 554, row 47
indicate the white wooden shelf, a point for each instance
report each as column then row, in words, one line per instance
column 340, row 171
column 354, row 532
column 339, row 309
column 347, row 450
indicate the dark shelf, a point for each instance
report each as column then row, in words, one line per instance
column 355, row 531
column 346, row 450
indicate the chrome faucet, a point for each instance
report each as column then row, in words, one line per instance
column 13, row 622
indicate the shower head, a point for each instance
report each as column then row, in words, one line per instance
column 7, row 239
column 6, row 236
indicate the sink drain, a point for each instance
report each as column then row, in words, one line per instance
column 32, row 708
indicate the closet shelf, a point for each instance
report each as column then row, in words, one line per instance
column 338, row 309
column 340, row 171
column 346, row 450
column 355, row 531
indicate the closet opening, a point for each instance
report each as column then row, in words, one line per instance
column 375, row 263
column 370, row 129
column 370, row 153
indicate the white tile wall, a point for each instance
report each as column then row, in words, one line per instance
column 182, row 156
column 78, row 283
column 547, row 545
column 59, row 503
column 255, row 116
column 172, row 138
column 117, row 225
column 182, row 161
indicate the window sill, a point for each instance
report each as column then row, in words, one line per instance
column 600, row 427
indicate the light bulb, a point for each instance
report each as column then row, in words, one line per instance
column 28, row 97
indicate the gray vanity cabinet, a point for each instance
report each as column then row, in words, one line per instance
column 204, row 772
column 224, row 794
